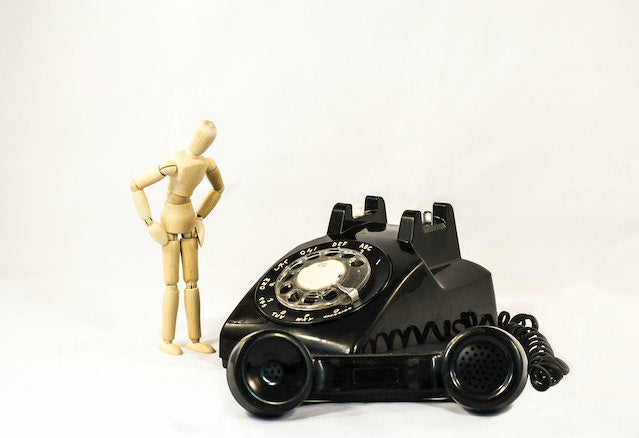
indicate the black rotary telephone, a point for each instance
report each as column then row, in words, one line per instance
column 380, row 312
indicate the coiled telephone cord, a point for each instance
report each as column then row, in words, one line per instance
column 545, row 370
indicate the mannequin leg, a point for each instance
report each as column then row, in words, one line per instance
column 171, row 259
column 192, row 293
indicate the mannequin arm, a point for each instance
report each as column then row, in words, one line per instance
column 215, row 178
column 141, row 203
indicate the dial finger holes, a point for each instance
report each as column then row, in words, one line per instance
column 329, row 295
column 287, row 278
column 293, row 297
column 310, row 299
column 295, row 265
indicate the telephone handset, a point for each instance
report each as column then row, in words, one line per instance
column 375, row 311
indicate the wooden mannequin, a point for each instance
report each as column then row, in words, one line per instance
column 181, row 229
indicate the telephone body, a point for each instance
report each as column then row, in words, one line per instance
column 374, row 312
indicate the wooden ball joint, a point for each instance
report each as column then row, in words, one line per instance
column 181, row 230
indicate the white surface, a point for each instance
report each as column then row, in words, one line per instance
column 523, row 115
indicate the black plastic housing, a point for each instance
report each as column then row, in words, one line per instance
column 392, row 344
column 428, row 282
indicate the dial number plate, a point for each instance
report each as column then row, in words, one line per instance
column 322, row 282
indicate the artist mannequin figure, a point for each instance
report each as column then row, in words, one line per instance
column 180, row 230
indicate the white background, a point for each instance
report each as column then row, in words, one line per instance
column 523, row 115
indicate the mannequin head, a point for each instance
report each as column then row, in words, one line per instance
column 204, row 134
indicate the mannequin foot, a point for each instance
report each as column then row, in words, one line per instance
column 200, row 347
column 170, row 348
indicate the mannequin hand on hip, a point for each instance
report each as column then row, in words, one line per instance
column 157, row 232
column 199, row 229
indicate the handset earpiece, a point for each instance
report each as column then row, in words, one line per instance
column 270, row 373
